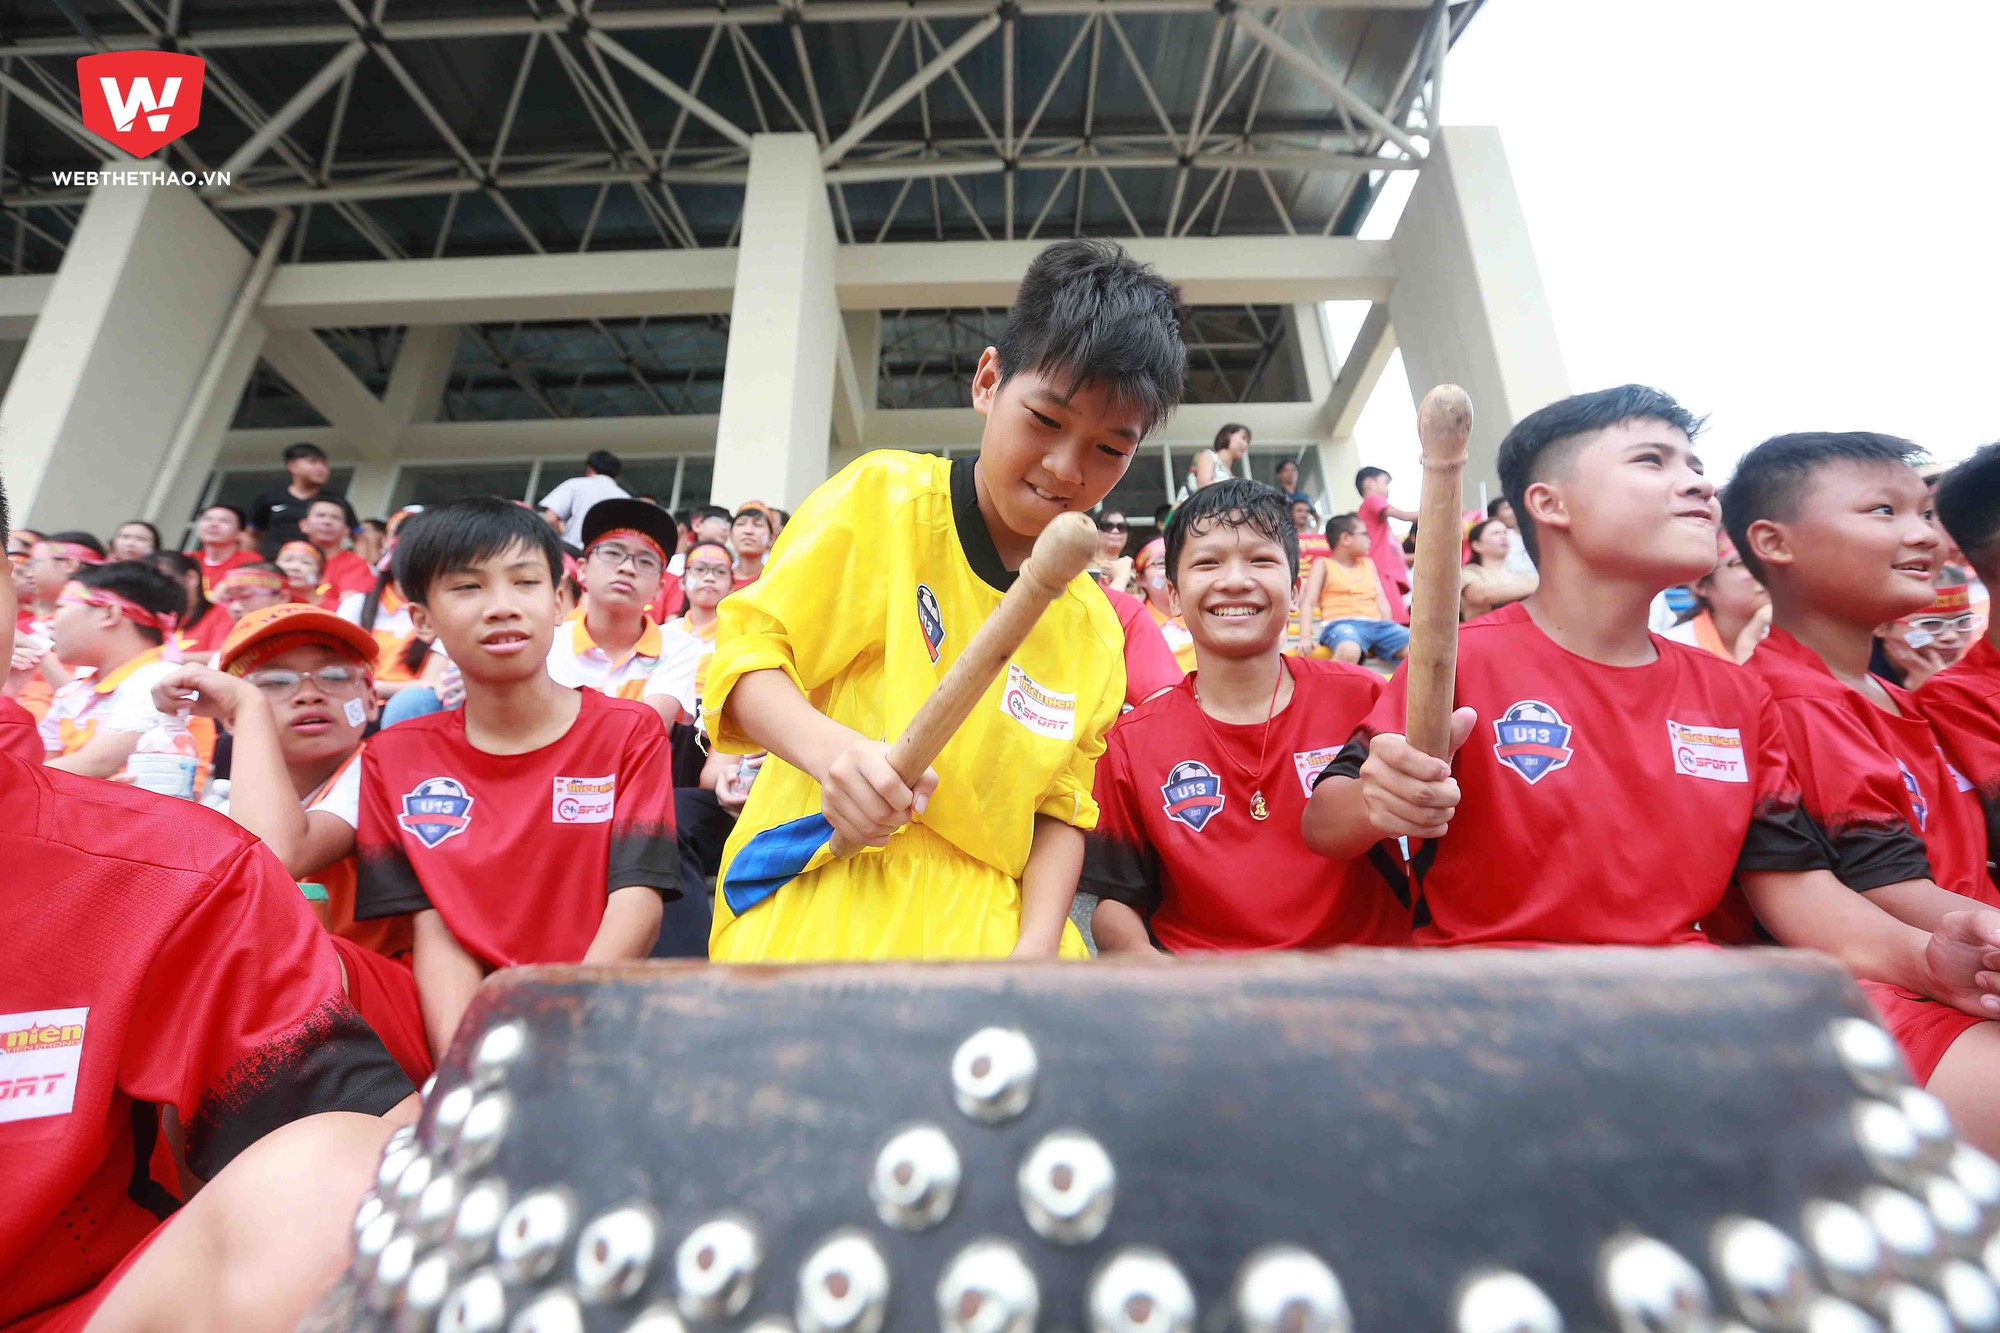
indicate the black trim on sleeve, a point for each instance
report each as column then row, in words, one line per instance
column 387, row 886
column 332, row 1061
column 980, row 552
column 1123, row 872
column 142, row 1189
column 1873, row 853
column 648, row 857
column 1347, row 764
column 1782, row 835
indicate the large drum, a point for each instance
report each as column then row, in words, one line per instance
column 1494, row 1142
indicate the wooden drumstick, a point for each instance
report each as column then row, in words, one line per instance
column 1062, row 552
column 1444, row 420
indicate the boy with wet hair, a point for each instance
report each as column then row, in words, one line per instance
column 1838, row 526
column 874, row 589
column 1574, row 720
column 533, row 825
column 1962, row 702
column 1201, row 790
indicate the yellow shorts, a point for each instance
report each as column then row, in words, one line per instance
column 920, row 898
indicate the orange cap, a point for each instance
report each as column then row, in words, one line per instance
column 268, row 631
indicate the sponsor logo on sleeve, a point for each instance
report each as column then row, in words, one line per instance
column 1919, row 807
column 931, row 618
column 1047, row 713
column 1193, row 794
column 436, row 809
column 585, row 800
column 1959, row 780
column 1532, row 739
column 1312, row 763
column 40, row 1053
column 1714, row 753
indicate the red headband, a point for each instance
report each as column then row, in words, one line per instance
column 77, row 551
column 629, row 534
column 76, row 594
column 251, row 578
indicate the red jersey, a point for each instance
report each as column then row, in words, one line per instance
column 1387, row 553
column 668, row 604
column 345, row 572
column 517, row 852
column 1599, row 804
column 205, row 636
column 1890, row 805
column 19, row 735
column 1962, row 704
column 1176, row 842
column 1149, row 664
column 213, row 572
column 157, row 955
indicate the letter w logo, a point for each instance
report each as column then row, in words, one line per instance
column 140, row 100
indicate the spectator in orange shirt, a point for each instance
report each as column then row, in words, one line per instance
column 1346, row 594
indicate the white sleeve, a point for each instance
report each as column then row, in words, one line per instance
column 350, row 607
column 130, row 707
column 343, row 799
column 1660, row 617
column 680, row 653
column 559, row 500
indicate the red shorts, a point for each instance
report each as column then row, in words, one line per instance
column 1924, row 1028
column 384, row 991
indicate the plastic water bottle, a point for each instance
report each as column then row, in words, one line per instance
column 165, row 760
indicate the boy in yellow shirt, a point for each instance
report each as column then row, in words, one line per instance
column 1345, row 595
column 877, row 584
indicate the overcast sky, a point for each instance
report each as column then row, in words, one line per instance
column 1785, row 214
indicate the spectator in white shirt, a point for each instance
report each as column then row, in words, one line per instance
column 566, row 505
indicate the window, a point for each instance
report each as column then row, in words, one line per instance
column 435, row 485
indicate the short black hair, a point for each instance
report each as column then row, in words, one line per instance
column 151, row 531
column 78, row 537
column 1088, row 313
column 604, row 463
column 1233, row 502
column 463, row 533
column 757, row 512
column 1229, row 429
column 324, row 499
column 242, row 519
column 1369, row 474
column 303, row 449
column 1291, row 463
column 1525, row 453
column 177, row 565
column 1341, row 524
column 140, row 581
column 1493, row 506
column 1475, row 532
column 1770, row 480
column 1296, row 501
column 1968, row 505
column 706, row 512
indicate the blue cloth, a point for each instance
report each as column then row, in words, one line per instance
column 414, row 701
column 1384, row 638
column 773, row 859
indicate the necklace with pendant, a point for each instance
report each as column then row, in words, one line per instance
column 1259, row 811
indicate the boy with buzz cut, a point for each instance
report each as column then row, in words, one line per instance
column 536, row 823
column 1201, row 789
column 1962, row 702
column 1574, row 723
column 875, row 587
column 1838, row 527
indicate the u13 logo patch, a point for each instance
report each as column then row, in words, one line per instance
column 436, row 809
column 1532, row 739
column 1193, row 794
column 931, row 619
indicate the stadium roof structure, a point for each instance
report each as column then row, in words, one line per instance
column 398, row 129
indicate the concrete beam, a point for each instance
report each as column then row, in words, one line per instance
column 21, row 302
column 335, row 392
column 1374, row 343
column 423, row 367
column 491, row 441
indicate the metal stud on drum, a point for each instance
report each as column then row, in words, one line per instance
column 1931, row 1121
column 424, row 1294
column 532, row 1235
column 1764, row 1273
column 392, row 1270
column 1977, row 1174
column 1909, row 1237
column 915, row 1179
column 485, row 1126
column 715, row 1268
column 1869, row 1055
column 1849, row 1252
column 478, row 1221
column 614, row 1252
column 1989, row 1257
column 1970, row 1296
column 1830, row 1314
column 431, row 1216
column 1494, row 1300
column 368, row 1246
column 550, row 1312
column 988, row 1288
column 1911, row 1309
column 1889, row 1141
column 843, row 1286
column 478, row 1305
column 449, row 1117
column 993, row 1074
column 498, row 1051
column 1140, row 1290
column 371, row 1208
column 392, row 1166
column 403, row 1136
column 1286, row 1289
column 1954, row 1213
column 659, row 1319
column 411, row 1185
column 1648, row 1288
column 1067, row 1186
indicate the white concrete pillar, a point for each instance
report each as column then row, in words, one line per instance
column 784, row 332
column 370, row 489
column 1468, row 305
column 142, row 293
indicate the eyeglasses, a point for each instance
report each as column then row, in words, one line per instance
column 1115, row 525
column 1963, row 624
column 611, row 555
column 285, row 684
column 708, row 571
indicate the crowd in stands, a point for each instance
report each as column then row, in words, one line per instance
column 487, row 733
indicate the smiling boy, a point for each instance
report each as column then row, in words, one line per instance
column 533, row 825
column 873, row 590
column 1201, row 790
